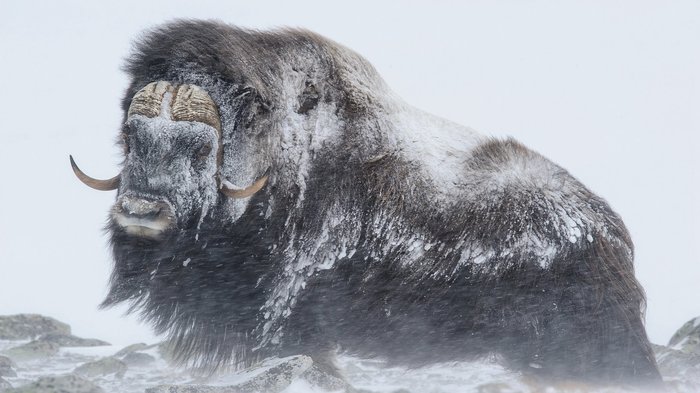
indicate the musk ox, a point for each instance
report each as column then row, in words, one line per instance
column 276, row 198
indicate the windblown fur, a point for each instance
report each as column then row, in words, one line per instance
column 382, row 230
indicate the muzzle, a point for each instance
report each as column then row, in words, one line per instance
column 143, row 216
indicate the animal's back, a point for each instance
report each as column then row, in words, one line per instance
column 521, row 253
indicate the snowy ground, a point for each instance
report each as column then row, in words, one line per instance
column 364, row 375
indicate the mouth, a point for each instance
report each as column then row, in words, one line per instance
column 152, row 229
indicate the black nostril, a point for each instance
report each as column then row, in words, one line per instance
column 149, row 215
column 146, row 209
column 140, row 209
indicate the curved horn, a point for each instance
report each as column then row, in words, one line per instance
column 102, row 185
column 238, row 193
column 148, row 100
column 192, row 103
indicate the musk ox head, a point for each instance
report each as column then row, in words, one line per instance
column 171, row 178
column 214, row 114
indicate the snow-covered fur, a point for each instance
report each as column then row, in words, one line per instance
column 383, row 231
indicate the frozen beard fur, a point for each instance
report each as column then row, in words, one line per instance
column 277, row 198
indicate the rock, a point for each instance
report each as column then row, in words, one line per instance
column 4, row 385
column 317, row 377
column 29, row 326
column 676, row 363
column 6, row 367
column 59, row 384
column 279, row 376
column 32, row 350
column 68, row 340
column 275, row 379
column 131, row 348
column 687, row 338
column 138, row 359
column 105, row 366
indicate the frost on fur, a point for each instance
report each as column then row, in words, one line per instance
column 381, row 229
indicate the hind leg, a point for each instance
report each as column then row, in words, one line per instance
column 582, row 332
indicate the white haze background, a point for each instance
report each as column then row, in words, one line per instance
column 610, row 90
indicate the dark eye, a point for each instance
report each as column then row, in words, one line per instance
column 204, row 151
column 257, row 109
column 308, row 99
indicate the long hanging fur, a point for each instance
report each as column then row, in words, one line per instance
column 359, row 241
